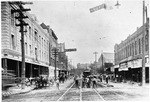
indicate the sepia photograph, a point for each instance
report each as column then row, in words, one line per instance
column 75, row 50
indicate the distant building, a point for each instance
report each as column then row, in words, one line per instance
column 83, row 66
column 63, row 58
column 106, row 62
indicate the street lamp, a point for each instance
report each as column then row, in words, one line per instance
column 117, row 4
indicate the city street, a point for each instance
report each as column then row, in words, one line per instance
column 69, row 92
column 76, row 50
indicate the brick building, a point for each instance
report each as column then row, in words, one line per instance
column 128, row 55
column 39, row 42
column 63, row 59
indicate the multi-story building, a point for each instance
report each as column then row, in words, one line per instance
column 85, row 66
column 53, row 43
column 105, row 62
column 63, row 59
column 38, row 44
column 128, row 55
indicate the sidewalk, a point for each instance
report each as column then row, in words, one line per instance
column 18, row 90
column 122, row 84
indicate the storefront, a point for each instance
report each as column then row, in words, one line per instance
column 123, row 72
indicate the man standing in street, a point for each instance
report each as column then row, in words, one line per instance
column 94, row 82
column 57, row 84
column 76, row 81
column 107, row 78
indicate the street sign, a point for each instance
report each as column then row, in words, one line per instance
column 69, row 50
column 97, row 8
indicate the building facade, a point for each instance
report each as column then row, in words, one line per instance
column 85, row 66
column 105, row 62
column 128, row 55
column 63, row 59
column 39, row 43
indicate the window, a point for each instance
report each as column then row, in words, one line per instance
column 146, row 41
column 13, row 41
column 30, row 49
column 12, row 18
column 30, row 31
column 26, row 49
column 130, row 49
column 25, row 29
column 135, row 48
column 139, row 46
column 142, row 43
column 36, row 54
column 42, row 42
column 126, row 51
column 35, row 35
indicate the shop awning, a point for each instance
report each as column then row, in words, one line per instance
column 123, row 69
column 116, row 66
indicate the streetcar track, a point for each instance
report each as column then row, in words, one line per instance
column 65, row 92
column 118, row 94
column 114, row 94
column 81, row 94
column 99, row 94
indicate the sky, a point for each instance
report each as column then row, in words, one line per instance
column 88, row 32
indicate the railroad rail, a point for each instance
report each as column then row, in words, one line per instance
column 80, row 94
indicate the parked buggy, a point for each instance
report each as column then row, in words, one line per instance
column 42, row 81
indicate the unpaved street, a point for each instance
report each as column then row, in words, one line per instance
column 69, row 92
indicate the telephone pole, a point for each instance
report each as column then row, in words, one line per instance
column 55, row 53
column 143, row 49
column 20, row 10
column 95, row 61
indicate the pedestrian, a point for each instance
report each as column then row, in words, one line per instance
column 94, row 80
column 107, row 79
column 88, row 82
column 57, row 84
column 83, row 82
column 77, row 82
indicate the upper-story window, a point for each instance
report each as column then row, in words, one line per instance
column 26, row 48
column 12, row 18
column 139, row 46
column 135, row 48
column 13, row 41
column 35, row 35
column 30, row 50
column 130, row 49
column 42, row 42
column 146, row 40
column 30, row 32
column 25, row 29
column 36, row 54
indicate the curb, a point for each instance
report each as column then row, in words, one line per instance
column 8, row 93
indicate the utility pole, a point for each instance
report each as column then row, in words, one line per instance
column 95, row 61
column 102, row 62
column 55, row 53
column 22, row 23
column 143, row 49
